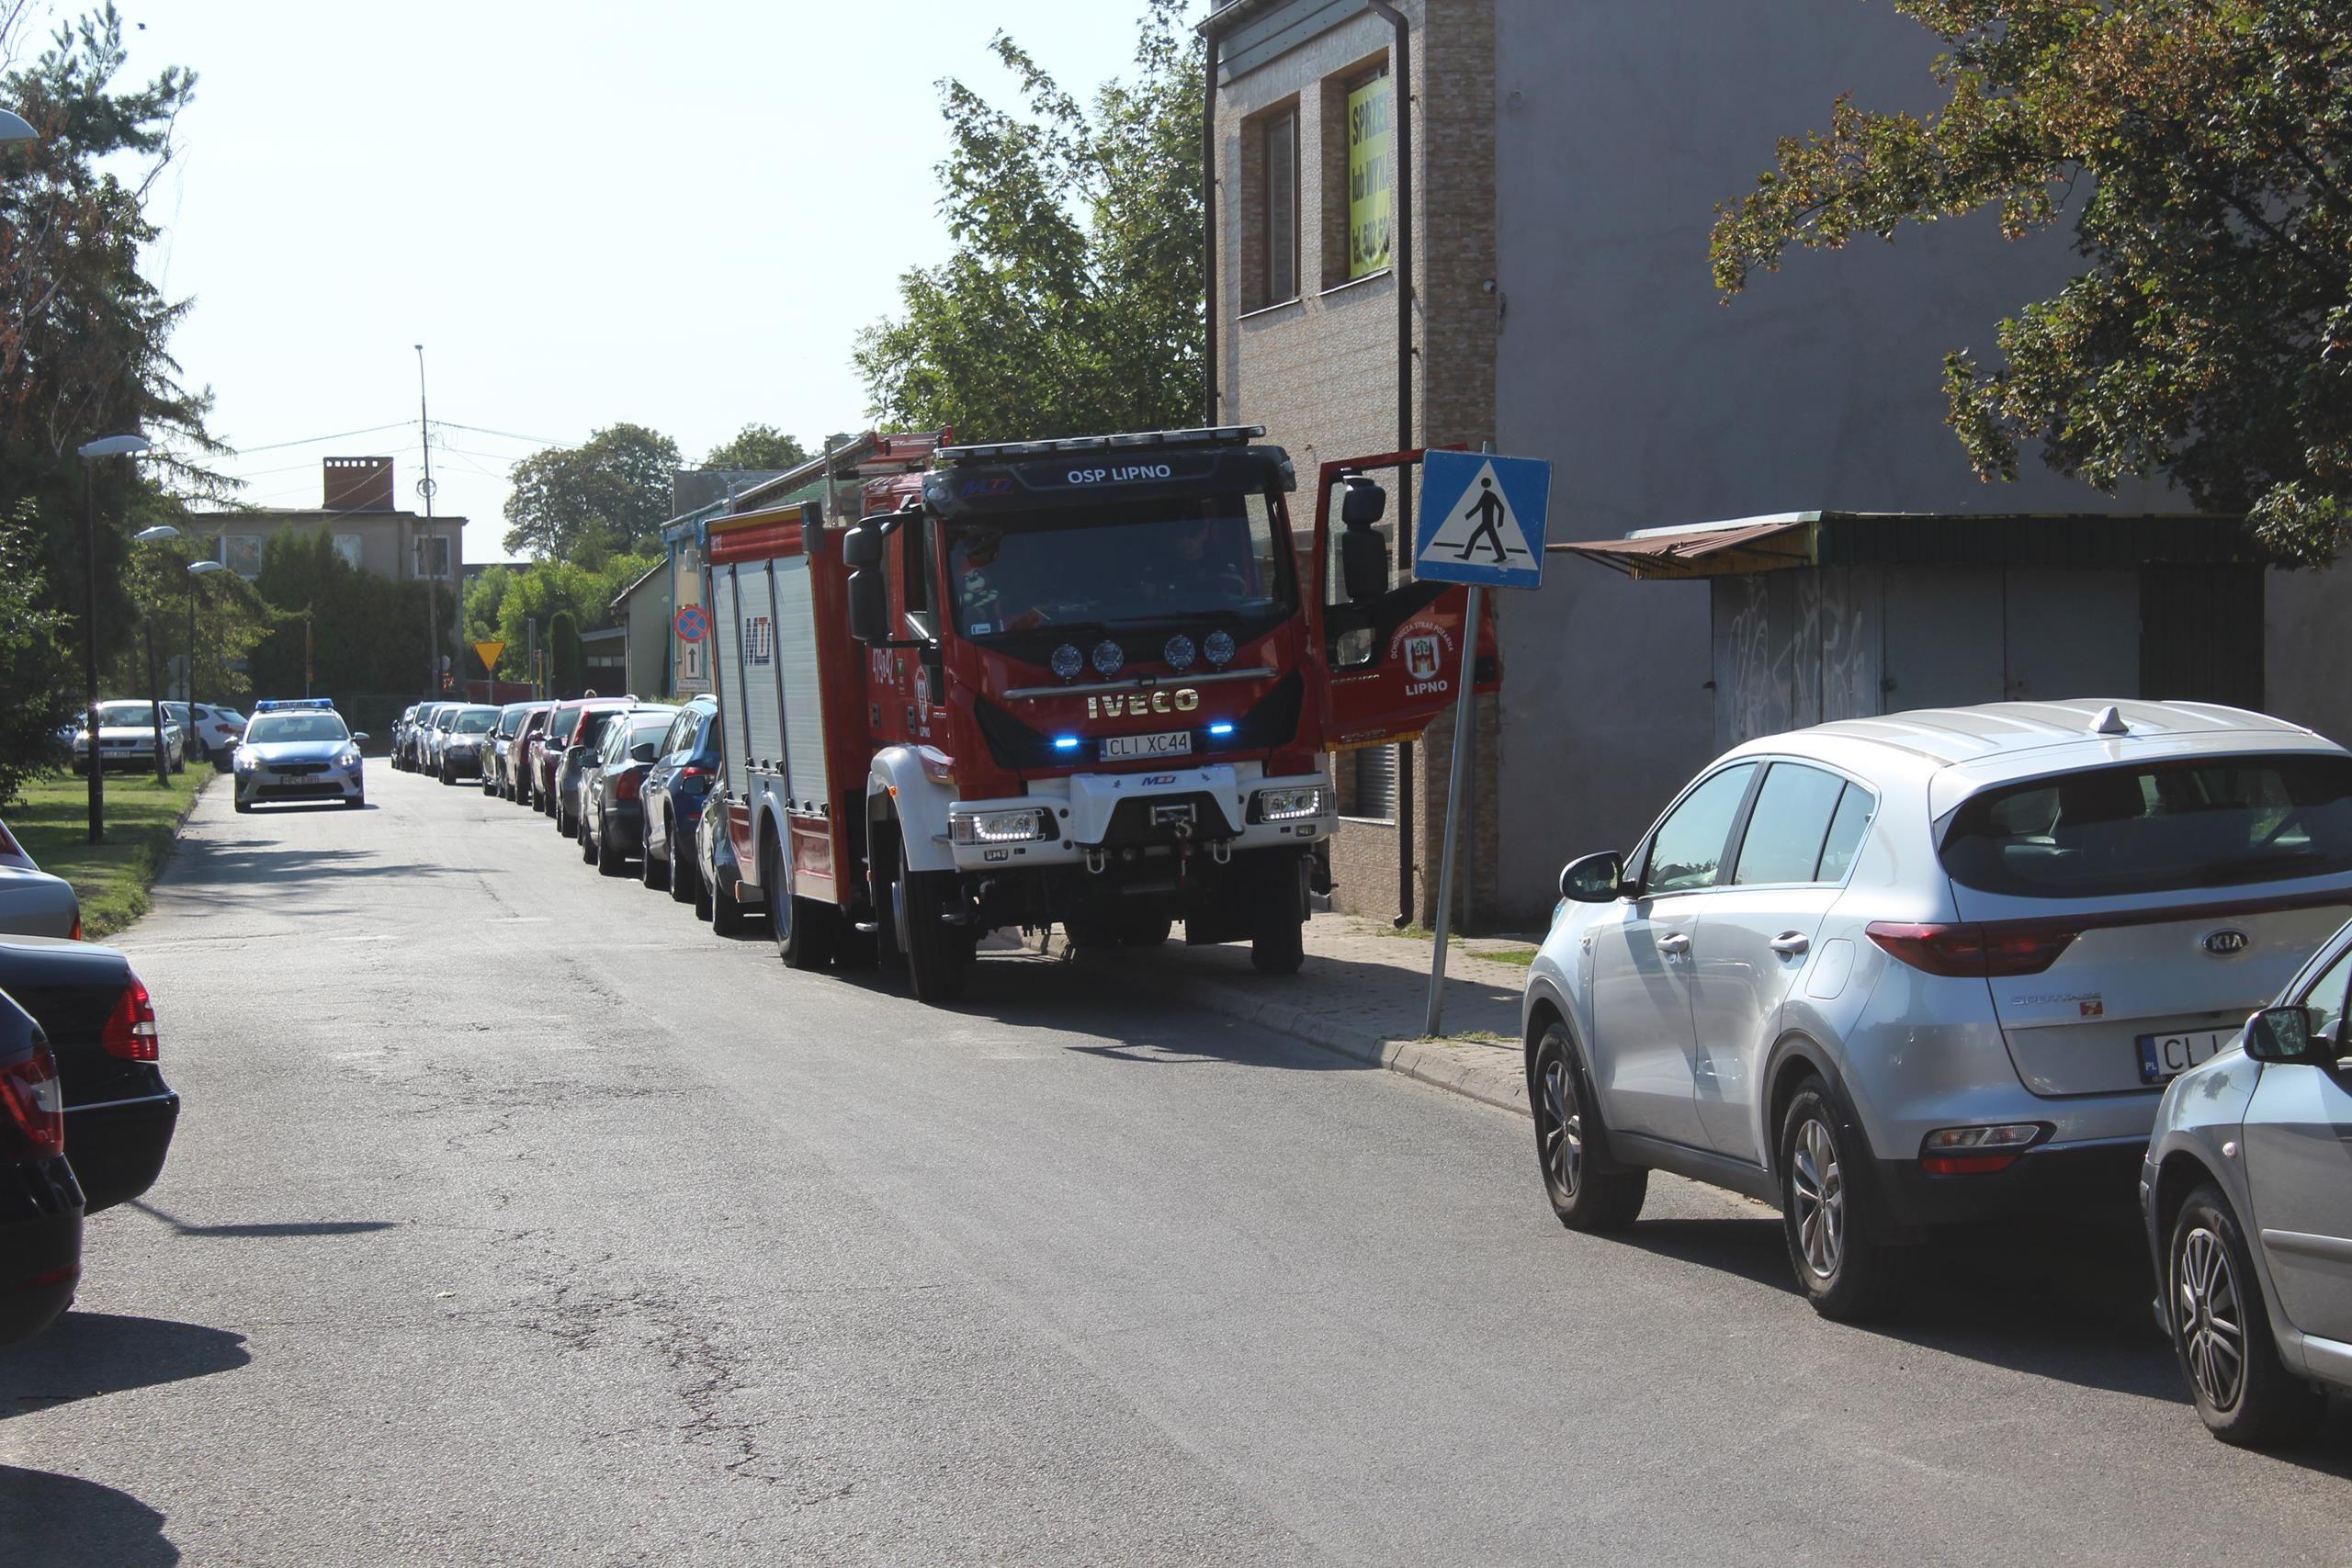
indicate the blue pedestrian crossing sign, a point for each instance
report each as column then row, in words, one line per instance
column 1482, row 519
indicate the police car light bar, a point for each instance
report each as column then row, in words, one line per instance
column 295, row 705
column 998, row 451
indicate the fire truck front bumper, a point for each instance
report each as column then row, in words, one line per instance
column 1092, row 819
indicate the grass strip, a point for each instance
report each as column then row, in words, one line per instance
column 143, row 822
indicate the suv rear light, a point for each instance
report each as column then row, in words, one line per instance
column 32, row 1108
column 130, row 1030
column 1972, row 952
column 624, row 786
column 1976, row 1151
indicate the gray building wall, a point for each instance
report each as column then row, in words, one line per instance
column 1617, row 129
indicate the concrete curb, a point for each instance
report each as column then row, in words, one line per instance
column 1489, row 1074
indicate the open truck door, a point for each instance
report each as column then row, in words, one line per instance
column 1392, row 646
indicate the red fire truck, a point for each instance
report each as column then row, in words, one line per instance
column 1089, row 681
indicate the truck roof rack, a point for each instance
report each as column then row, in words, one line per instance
column 998, row 451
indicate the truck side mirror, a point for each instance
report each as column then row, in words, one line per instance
column 1364, row 563
column 1364, row 504
column 862, row 548
column 869, row 604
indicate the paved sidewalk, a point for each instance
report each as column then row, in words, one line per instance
column 1364, row 993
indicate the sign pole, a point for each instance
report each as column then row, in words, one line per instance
column 1455, row 784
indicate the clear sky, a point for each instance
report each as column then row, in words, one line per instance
column 677, row 215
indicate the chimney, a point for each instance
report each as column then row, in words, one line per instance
column 359, row 484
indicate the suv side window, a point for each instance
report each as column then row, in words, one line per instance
column 1789, row 826
column 1687, row 850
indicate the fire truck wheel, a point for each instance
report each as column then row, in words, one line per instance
column 937, row 953
column 1278, row 934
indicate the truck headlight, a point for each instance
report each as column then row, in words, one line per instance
column 1290, row 803
column 1017, row 827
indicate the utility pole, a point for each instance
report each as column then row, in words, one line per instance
column 432, row 588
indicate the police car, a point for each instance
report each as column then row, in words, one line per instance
column 298, row 749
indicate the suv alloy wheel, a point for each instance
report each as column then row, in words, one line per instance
column 1847, row 1275
column 1566, row 1121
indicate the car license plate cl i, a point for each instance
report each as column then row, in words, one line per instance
column 2163, row 1057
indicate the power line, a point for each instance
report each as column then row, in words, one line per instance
column 508, row 434
column 314, row 440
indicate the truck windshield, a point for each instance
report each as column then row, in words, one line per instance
column 1208, row 559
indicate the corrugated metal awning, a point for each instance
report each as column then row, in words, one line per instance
column 1719, row 549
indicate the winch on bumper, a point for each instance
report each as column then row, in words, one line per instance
column 1095, row 821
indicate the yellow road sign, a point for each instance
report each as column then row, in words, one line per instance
column 488, row 652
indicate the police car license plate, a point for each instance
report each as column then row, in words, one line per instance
column 2163, row 1057
column 1124, row 748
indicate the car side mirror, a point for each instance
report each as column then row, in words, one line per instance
column 2281, row 1034
column 1594, row 879
column 869, row 604
column 1364, row 563
column 862, row 548
column 644, row 751
column 358, row 737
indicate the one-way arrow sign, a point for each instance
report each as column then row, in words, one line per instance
column 1482, row 519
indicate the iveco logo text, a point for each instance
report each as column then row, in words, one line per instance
column 1113, row 476
column 2227, row 943
column 1182, row 700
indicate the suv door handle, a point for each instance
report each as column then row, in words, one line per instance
column 1788, row 944
column 1674, row 941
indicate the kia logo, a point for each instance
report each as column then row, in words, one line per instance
column 2226, row 944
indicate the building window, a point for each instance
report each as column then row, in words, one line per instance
column 438, row 563
column 1372, row 175
column 241, row 553
column 1280, row 225
column 347, row 546
column 1367, row 781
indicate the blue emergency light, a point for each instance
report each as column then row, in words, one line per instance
column 295, row 705
column 1220, row 730
column 1064, row 742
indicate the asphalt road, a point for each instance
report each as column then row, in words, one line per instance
column 514, row 1218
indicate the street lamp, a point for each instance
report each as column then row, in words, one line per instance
column 156, row 536
column 104, row 447
column 198, row 570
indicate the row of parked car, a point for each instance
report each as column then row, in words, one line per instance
column 1988, row 967
column 630, row 782
column 126, row 732
column 86, row 1116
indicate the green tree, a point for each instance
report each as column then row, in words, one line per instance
column 484, row 601
column 549, row 589
column 368, row 633
column 85, row 336
column 1073, row 300
column 582, row 503
column 564, row 662
column 35, row 659
column 2202, row 151
column 758, row 448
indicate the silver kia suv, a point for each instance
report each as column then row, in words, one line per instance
column 1896, row 974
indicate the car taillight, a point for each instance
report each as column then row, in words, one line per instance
column 694, row 772
column 1972, row 952
column 1977, row 1151
column 76, row 935
column 129, row 1032
column 624, row 786
column 32, row 1105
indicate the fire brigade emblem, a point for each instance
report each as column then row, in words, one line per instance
column 1421, row 658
